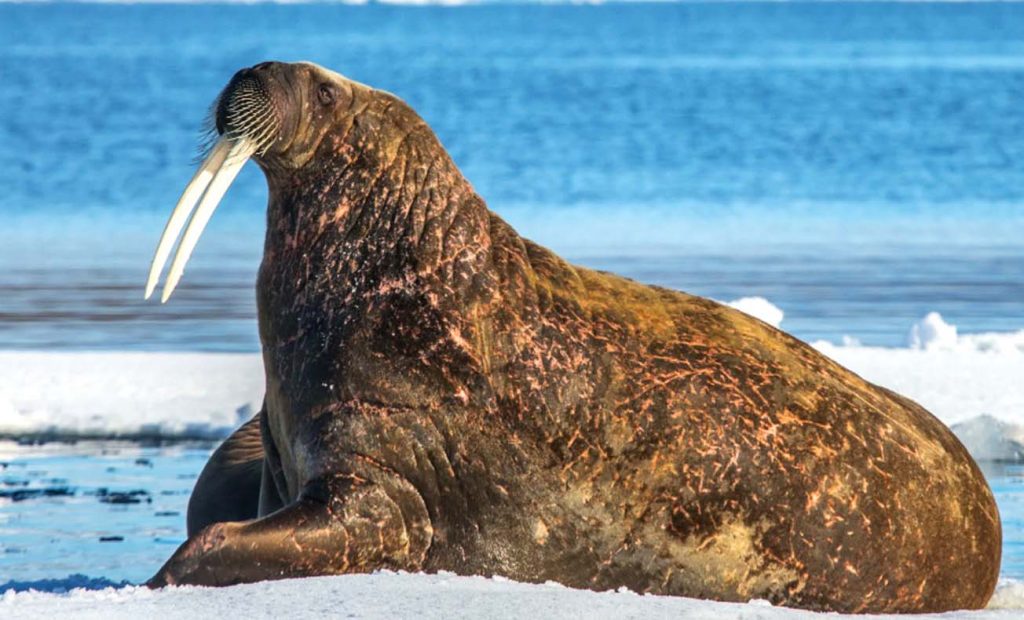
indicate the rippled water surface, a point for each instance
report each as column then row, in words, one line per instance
column 104, row 510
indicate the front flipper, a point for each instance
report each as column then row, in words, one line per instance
column 229, row 487
column 345, row 523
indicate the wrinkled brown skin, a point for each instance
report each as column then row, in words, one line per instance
column 443, row 394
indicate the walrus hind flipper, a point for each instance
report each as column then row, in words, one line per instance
column 345, row 523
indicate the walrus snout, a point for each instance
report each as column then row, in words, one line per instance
column 247, row 110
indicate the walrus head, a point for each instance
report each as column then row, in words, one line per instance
column 274, row 113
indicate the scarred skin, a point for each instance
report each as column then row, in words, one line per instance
column 443, row 394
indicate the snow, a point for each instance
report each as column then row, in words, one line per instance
column 401, row 595
column 932, row 333
column 759, row 308
column 205, row 395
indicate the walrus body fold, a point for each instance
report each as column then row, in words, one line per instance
column 443, row 394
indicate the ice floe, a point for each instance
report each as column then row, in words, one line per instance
column 127, row 394
column 426, row 597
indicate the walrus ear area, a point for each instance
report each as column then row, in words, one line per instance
column 327, row 94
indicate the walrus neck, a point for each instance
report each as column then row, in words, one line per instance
column 362, row 231
column 368, row 208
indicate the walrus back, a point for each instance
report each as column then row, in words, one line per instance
column 732, row 461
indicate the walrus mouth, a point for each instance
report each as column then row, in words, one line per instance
column 248, row 125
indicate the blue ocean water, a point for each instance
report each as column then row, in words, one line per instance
column 858, row 164
column 104, row 511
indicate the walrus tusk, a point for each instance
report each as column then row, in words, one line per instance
column 213, row 179
column 193, row 192
column 225, row 175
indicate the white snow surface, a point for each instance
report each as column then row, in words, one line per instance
column 759, row 308
column 972, row 382
column 389, row 595
column 125, row 394
column 932, row 333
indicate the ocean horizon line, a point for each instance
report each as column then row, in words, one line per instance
column 481, row 3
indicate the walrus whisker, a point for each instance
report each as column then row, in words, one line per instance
column 239, row 112
column 257, row 123
column 236, row 157
column 209, row 136
column 262, row 135
column 253, row 121
column 193, row 192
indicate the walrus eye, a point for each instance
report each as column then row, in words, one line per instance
column 326, row 94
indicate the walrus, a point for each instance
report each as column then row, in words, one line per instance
column 443, row 394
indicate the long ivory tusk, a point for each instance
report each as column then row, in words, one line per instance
column 193, row 191
column 236, row 158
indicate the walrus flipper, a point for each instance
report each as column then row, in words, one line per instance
column 228, row 489
column 342, row 523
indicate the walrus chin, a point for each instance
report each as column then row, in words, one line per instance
column 248, row 122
